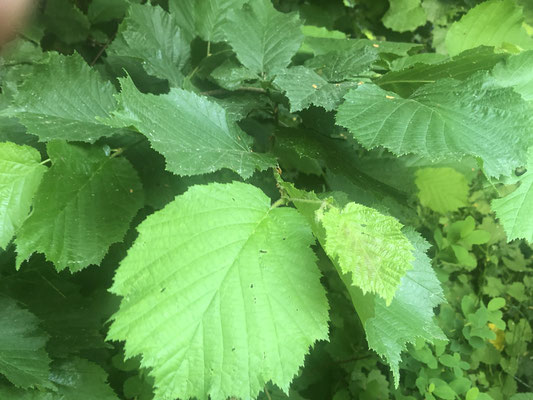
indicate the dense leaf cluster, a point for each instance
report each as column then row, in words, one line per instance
column 267, row 199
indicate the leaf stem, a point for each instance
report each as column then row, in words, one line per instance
column 295, row 199
column 280, row 202
column 45, row 161
column 120, row 150
column 52, row 286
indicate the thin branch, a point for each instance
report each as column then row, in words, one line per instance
column 354, row 359
column 99, row 54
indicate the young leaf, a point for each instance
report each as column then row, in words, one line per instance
column 515, row 211
column 263, row 38
column 492, row 23
column 410, row 314
column 20, row 175
column 442, row 189
column 62, row 99
column 404, row 15
column 369, row 245
column 445, row 119
column 153, row 36
column 192, row 132
column 304, row 87
column 84, row 204
column 23, row 358
column 238, row 281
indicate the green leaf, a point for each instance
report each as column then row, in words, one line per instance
column 442, row 389
column 464, row 257
column 323, row 45
column 151, row 35
column 404, row 15
column 66, row 21
column 193, row 133
column 63, row 99
column 204, row 18
column 230, row 75
column 304, row 87
column 84, row 204
column 312, row 31
column 522, row 396
column 159, row 186
column 515, row 211
column 369, row 245
column 492, row 23
column 516, row 72
column 73, row 379
column 298, row 152
column 439, row 12
column 420, row 71
column 445, row 119
column 238, row 281
column 100, row 11
column 410, row 314
column 73, row 320
column 422, row 59
column 20, row 175
column 241, row 104
column 442, row 189
column 23, row 358
column 81, row 380
column 184, row 12
column 527, row 9
column 263, row 38
column 496, row 304
column 517, row 290
column 338, row 66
